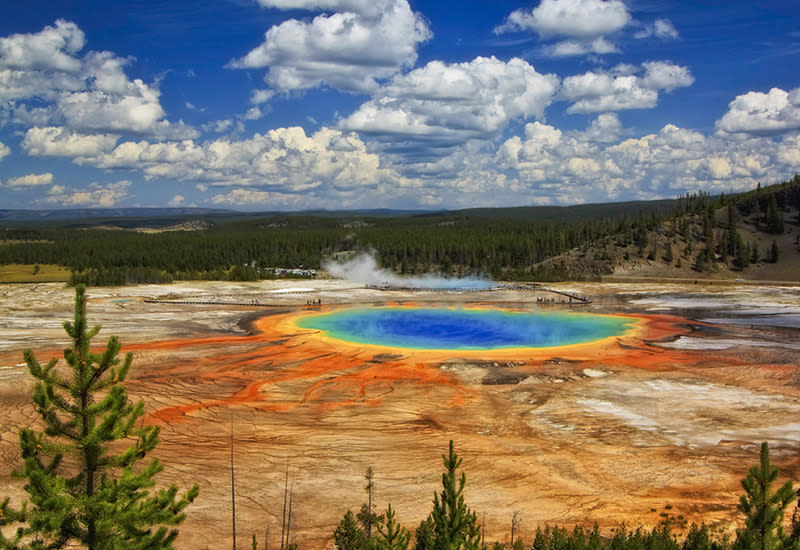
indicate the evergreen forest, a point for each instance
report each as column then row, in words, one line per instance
column 697, row 232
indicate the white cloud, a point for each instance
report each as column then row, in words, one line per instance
column 100, row 111
column 569, row 48
column 250, row 197
column 253, row 113
column 105, row 73
column 22, row 84
column 89, row 93
column 758, row 113
column 606, row 128
column 35, row 116
column 177, row 200
column 451, row 104
column 285, row 160
column 594, row 92
column 96, row 195
column 52, row 48
column 30, row 180
column 546, row 163
column 4, row 151
column 257, row 97
column 61, row 142
column 662, row 28
column 350, row 50
column 584, row 24
column 573, row 18
column 789, row 152
column 219, row 126
column 662, row 75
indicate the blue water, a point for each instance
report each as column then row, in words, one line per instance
column 463, row 329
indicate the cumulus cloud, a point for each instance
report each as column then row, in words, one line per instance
column 583, row 24
column 351, row 49
column 789, row 151
column 56, row 141
column 30, row 180
column 34, row 116
column 575, row 18
column 53, row 48
column 96, row 195
column 257, row 97
column 568, row 48
column 594, row 92
column 449, row 104
column 285, row 160
column 177, row 200
column 4, row 151
column 241, row 197
column 86, row 93
column 253, row 113
column 662, row 28
column 17, row 84
column 219, row 126
column 548, row 163
column 606, row 128
column 757, row 113
column 663, row 75
column 97, row 110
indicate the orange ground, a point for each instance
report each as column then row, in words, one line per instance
column 611, row 431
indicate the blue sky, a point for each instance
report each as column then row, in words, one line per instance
column 339, row 104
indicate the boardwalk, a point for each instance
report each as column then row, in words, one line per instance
column 251, row 303
column 573, row 298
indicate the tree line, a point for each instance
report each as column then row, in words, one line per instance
column 503, row 244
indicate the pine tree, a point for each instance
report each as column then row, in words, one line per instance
column 453, row 525
column 742, row 253
column 763, row 508
column 100, row 498
column 774, row 217
column 391, row 535
column 366, row 516
column 697, row 538
column 348, row 535
column 423, row 536
column 774, row 252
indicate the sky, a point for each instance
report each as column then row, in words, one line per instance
column 265, row 105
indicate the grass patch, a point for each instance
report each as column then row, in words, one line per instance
column 26, row 273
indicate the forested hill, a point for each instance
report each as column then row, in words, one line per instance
column 751, row 234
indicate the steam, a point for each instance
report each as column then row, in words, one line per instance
column 363, row 268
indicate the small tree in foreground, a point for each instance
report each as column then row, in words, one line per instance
column 348, row 535
column 451, row 525
column 391, row 535
column 763, row 508
column 84, row 485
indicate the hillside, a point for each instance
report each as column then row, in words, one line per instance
column 751, row 236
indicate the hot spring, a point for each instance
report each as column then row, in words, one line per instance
column 464, row 329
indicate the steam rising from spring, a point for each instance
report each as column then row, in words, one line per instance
column 363, row 268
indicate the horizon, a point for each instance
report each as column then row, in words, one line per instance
column 341, row 105
column 214, row 209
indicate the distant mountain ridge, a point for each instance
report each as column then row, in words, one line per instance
column 540, row 213
column 85, row 213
